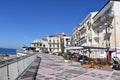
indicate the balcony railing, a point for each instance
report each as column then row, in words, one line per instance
column 90, row 37
column 109, row 14
column 84, row 36
column 82, row 28
column 96, row 37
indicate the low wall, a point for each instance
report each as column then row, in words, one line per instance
column 11, row 69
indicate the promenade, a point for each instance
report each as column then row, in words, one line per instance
column 53, row 67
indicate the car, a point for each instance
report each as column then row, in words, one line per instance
column 82, row 57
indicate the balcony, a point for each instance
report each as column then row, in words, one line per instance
column 96, row 37
column 90, row 38
column 84, row 36
column 108, row 15
column 82, row 29
column 84, row 44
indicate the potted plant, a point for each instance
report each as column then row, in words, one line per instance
column 95, row 65
column 86, row 64
column 107, row 65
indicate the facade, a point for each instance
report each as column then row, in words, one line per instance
column 100, row 31
column 83, row 34
column 107, row 27
column 58, row 43
column 40, row 45
column 53, row 43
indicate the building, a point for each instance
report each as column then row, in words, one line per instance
column 82, row 35
column 107, row 28
column 58, row 43
column 53, row 43
column 99, row 32
column 40, row 45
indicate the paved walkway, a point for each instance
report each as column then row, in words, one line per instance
column 53, row 67
column 31, row 72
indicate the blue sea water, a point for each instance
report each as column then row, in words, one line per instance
column 7, row 51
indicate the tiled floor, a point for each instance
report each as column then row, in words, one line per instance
column 31, row 72
column 53, row 67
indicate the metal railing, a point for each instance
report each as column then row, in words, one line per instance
column 10, row 69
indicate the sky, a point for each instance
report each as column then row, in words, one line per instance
column 22, row 21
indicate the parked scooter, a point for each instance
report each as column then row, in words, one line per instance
column 116, row 64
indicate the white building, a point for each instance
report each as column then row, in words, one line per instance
column 107, row 28
column 82, row 35
column 40, row 45
column 58, row 43
column 100, row 31
column 53, row 43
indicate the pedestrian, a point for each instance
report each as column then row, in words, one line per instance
column 70, row 57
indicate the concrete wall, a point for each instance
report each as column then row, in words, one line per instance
column 11, row 70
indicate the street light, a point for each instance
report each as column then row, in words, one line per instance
column 107, row 24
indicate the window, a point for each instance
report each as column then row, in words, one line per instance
column 53, row 45
column 50, row 50
column 57, row 41
column 49, row 40
column 40, row 44
column 50, row 45
column 58, row 45
column 43, row 45
column 53, row 41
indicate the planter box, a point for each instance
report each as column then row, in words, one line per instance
column 95, row 66
column 106, row 67
column 86, row 65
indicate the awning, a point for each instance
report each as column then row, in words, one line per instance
column 74, row 48
column 84, row 47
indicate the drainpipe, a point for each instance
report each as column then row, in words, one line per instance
column 115, row 33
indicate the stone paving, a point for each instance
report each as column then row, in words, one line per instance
column 31, row 71
column 53, row 67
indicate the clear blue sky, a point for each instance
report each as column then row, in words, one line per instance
column 22, row 21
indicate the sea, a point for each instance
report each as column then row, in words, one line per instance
column 7, row 51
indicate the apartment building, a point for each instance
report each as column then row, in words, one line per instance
column 82, row 35
column 58, row 43
column 100, row 31
column 54, row 43
column 107, row 28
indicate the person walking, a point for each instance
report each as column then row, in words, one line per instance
column 70, row 57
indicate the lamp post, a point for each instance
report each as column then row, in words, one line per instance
column 114, row 27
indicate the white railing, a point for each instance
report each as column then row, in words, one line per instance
column 13, row 68
column 103, row 18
